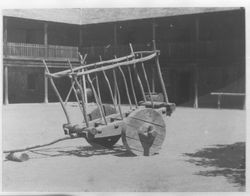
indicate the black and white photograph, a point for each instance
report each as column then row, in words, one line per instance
column 124, row 99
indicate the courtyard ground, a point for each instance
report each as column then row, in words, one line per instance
column 204, row 150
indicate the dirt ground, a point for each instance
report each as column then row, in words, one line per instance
column 203, row 151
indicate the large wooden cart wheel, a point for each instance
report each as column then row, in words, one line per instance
column 145, row 132
column 99, row 139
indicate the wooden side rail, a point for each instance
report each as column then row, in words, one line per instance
column 220, row 94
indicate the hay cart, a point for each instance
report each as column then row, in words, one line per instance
column 140, row 125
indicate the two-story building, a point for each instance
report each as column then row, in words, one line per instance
column 202, row 49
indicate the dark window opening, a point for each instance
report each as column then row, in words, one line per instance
column 31, row 81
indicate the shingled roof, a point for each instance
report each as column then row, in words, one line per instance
column 82, row 16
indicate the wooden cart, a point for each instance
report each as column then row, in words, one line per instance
column 141, row 126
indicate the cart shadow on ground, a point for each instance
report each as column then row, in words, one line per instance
column 80, row 151
column 226, row 160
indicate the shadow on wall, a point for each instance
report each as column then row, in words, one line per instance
column 229, row 161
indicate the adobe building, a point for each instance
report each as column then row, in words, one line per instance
column 202, row 49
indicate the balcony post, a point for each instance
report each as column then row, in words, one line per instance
column 46, row 39
column 80, row 38
column 6, row 86
column 45, row 87
column 5, row 35
column 115, row 38
column 197, row 34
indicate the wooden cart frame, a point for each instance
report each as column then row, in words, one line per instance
column 141, row 126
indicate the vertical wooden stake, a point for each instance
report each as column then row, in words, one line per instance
column 126, row 87
column 153, row 80
column 115, row 52
column 132, row 86
column 147, row 82
column 160, row 74
column 84, row 110
column 57, row 94
column 85, row 88
column 84, row 77
column 117, row 94
column 109, row 86
column 100, row 106
column 140, row 83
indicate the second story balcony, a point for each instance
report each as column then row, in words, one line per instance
column 38, row 52
column 171, row 52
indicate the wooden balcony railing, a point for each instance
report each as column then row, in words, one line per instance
column 38, row 51
column 66, row 52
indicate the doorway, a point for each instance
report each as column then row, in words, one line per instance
column 184, row 87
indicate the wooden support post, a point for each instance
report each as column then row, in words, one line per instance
column 45, row 87
column 46, row 39
column 196, row 72
column 115, row 38
column 197, row 32
column 244, row 105
column 219, row 101
column 6, row 88
column 5, row 35
column 80, row 38
column 153, row 30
